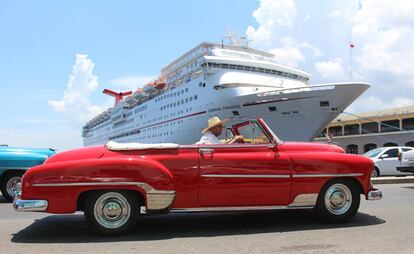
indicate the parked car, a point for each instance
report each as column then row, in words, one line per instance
column 406, row 162
column 115, row 183
column 386, row 160
column 14, row 162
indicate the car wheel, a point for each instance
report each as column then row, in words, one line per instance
column 112, row 213
column 9, row 185
column 338, row 201
column 375, row 173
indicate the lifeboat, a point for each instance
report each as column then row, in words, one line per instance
column 130, row 100
column 139, row 93
column 149, row 88
column 156, row 85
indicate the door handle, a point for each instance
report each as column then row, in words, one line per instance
column 206, row 151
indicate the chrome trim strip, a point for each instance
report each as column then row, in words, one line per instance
column 156, row 199
column 244, row 176
column 325, row 175
column 236, row 208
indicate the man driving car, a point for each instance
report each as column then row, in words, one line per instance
column 213, row 130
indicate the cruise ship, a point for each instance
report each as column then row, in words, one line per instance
column 225, row 80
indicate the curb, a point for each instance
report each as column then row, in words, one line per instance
column 393, row 180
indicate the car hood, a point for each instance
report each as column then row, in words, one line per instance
column 309, row 147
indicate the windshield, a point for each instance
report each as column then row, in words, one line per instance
column 374, row 152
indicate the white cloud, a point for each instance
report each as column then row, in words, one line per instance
column 130, row 82
column 75, row 103
column 333, row 69
column 272, row 17
column 383, row 32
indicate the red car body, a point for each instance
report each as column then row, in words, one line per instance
column 196, row 177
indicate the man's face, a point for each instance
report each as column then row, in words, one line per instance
column 216, row 130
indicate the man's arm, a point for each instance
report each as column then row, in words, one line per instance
column 235, row 140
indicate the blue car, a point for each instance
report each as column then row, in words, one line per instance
column 14, row 162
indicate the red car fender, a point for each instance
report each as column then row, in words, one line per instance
column 311, row 171
column 62, row 183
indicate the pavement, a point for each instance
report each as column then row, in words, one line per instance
column 383, row 226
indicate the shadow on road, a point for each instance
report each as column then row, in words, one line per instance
column 74, row 229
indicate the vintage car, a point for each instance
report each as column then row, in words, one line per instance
column 115, row 183
column 14, row 162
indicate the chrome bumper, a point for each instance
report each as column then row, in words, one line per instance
column 374, row 194
column 30, row 205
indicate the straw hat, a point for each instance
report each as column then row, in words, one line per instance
column 214, row 121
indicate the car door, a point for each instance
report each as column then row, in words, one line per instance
column 243, row 175
column 388, row 163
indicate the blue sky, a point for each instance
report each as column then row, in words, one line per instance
column 131, row 40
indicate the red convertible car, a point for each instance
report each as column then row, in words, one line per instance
column 115, row 183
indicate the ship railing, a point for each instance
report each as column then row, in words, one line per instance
column 297, row 90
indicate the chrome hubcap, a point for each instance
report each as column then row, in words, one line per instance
column 338, row 199
column 12, row 185
column 112, row 210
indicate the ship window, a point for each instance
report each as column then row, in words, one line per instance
column 392, row 125
column 200, row 84
column 272, row 108
column 195, row 97
column 191, row 98
column 352, row 129
column 186, row 90
column 324, row 103
column 186, row 100
column 235, row 113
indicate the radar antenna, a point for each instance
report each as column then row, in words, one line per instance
column 235, row 39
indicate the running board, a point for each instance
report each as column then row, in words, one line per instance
column 233, row 209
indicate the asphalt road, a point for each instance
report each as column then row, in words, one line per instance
column 385, row 226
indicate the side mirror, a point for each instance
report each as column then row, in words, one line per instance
column 384, row 156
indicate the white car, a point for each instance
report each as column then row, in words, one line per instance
column 407, row 162
column 386, row 160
